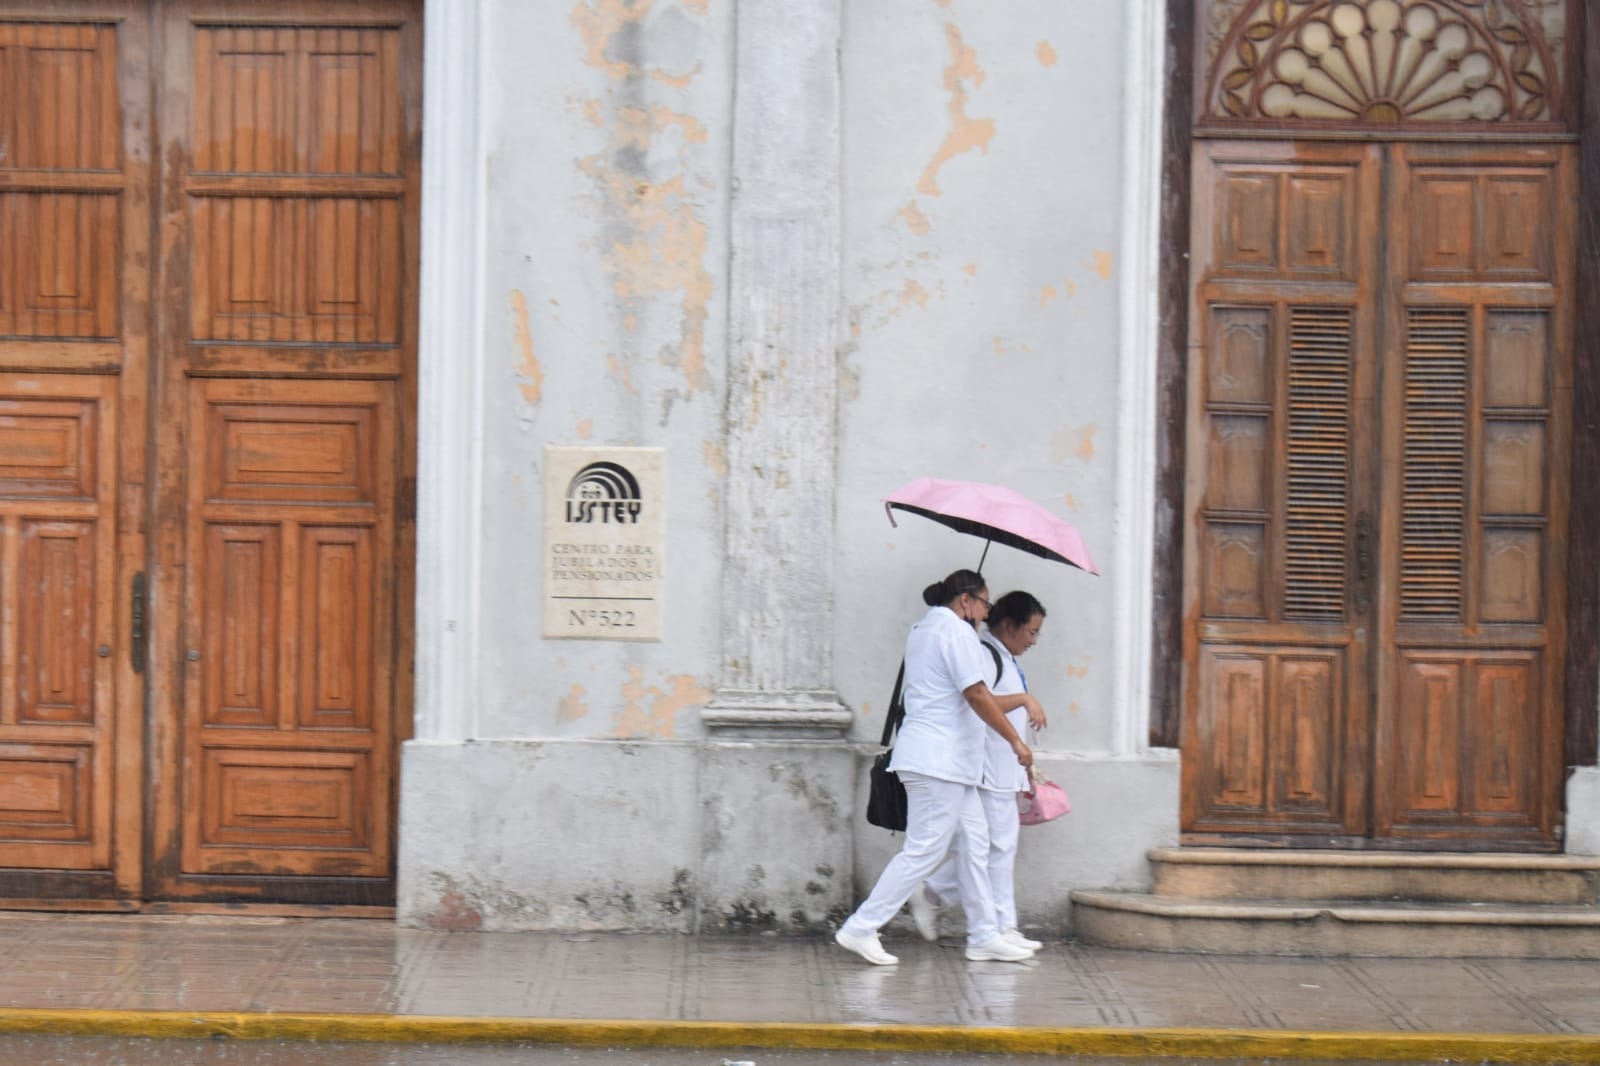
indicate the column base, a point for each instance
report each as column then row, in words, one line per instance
column 759, row 715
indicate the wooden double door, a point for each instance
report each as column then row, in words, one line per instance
column 208, row 257
column 1378, row 455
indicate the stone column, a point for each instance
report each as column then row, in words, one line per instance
column 777, row 623
column 778, row 796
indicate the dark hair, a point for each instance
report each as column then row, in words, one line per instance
column 1016, row 608
column 944, row 593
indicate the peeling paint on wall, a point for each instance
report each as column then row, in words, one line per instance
column 1077, row 440
column 1046, row 54
column 915, row 220
column 572, row 706
column 970, row 270
column 1102, row 265
column 660, row 719
column 1047, row 294
column 914, row 293
column 716, row 458
column 613, row 29
column 966, row 133
column 585, row 429
column 620, row 372
column 656, row 238
column 529, row 368
column 1086, row 442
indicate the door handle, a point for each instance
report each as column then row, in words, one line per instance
column 1363, row 563
column 136, row 605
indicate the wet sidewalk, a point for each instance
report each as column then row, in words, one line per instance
column 371, row 979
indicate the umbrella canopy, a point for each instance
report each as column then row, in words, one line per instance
column 994, row 513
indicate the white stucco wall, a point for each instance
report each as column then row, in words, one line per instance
column 984, row 276
column 605, row 286
column 981, row 282
column 984, row 270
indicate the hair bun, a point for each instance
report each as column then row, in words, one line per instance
column 934, row 594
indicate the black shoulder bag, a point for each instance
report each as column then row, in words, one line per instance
column 886, row 802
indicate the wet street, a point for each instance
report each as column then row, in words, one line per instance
column 131, row 990
column 93, row 1051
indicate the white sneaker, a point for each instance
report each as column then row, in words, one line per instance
column 998, row 950
column 868, row 947
column 1015, row 936
column 924, row 912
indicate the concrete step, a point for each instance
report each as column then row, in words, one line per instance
column 1235, row 873
column 1152, row 922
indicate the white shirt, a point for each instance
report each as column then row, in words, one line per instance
column 942, row 736
column 1001, row 771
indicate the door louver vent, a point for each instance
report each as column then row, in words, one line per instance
column 1433, row 509
column 1317, row 505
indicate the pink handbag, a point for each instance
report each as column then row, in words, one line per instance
column 1044, row 802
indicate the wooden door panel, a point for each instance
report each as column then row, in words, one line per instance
column 59, row 181
column 1460, row 563
column 1277, row 707
column 1272, row 724
column 285, row 443
column 58, row 713
column 286, row 813
column 1472, row 766
column 291, row 624
column 74, row 237
column 297, row 234
column 1473, row 564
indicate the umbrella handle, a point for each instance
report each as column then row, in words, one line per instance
column 985, row 555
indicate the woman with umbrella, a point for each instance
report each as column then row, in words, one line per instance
column 938, row 756
column 1013, row 627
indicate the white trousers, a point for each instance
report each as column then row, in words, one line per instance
column 938, row 813
column 1000, row 812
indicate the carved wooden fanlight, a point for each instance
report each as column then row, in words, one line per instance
column 1382, row 63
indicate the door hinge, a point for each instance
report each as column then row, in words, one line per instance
column 136, row 609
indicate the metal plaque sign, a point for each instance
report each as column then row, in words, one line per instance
column 603, row 522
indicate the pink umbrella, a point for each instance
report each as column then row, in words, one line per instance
column 995, row 514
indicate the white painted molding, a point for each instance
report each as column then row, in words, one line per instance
column 1144, row 91
column 450, row 356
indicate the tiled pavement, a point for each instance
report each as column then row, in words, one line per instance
column 117, row 964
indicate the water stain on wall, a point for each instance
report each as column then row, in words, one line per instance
column 655, row 241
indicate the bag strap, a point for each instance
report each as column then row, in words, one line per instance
column 999, row 668
column 897, row 709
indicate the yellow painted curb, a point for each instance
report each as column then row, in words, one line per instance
column 1537, row 1048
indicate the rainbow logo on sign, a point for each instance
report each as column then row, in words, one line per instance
column 604, row 492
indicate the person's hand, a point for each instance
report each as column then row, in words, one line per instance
column 1036, row 716
column 1023, row 752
